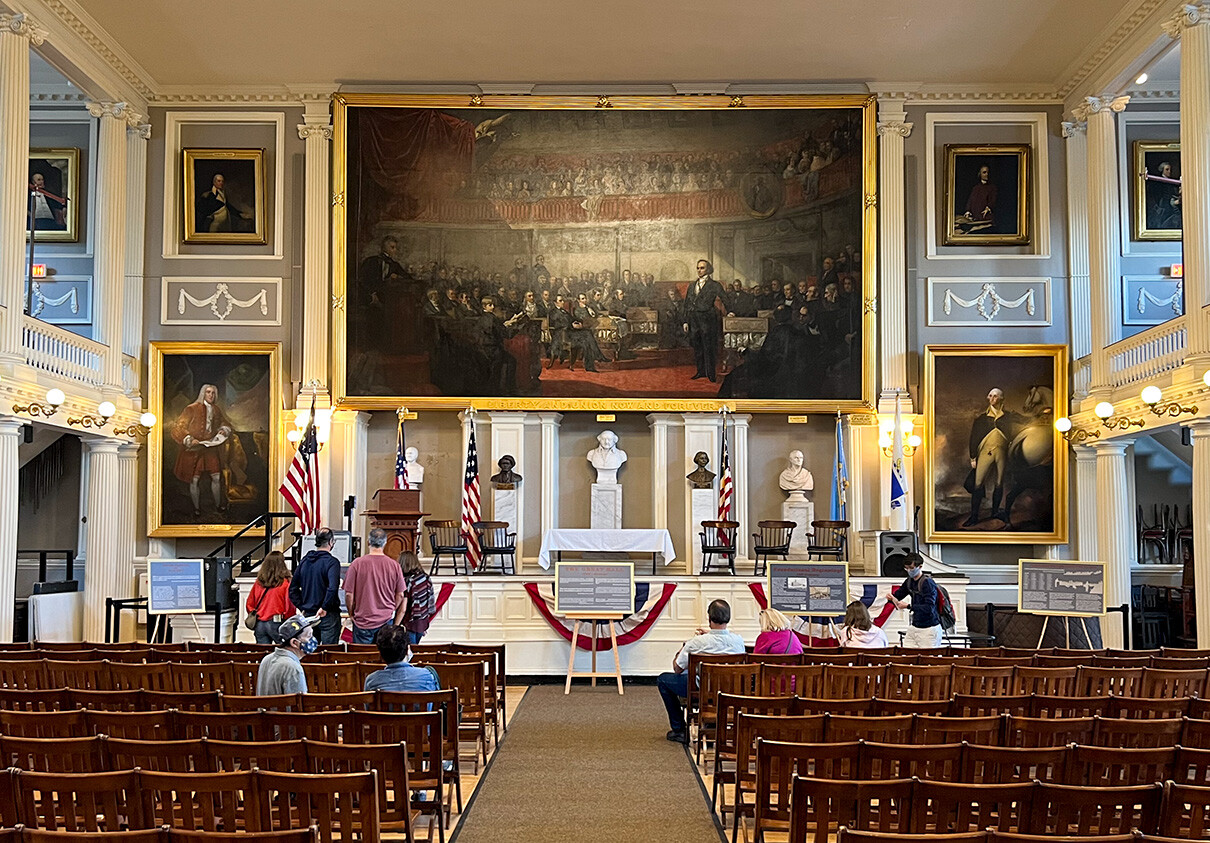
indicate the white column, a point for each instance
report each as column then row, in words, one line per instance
column 1104, row 239
column 661, row 467
column 892, row 252
column 548, row 508
column 109, row 264
column 10, row 466
column 17, row 32
column 316, row 130
column 127, row 501
column 1086, row 503
column 1076, row 134
column 739, row 479
column 105, row 573
column 136, row 229
column 701, row 434
column 349, row 446
column 508, row 437
column 1201, row 526
column 1115, row 532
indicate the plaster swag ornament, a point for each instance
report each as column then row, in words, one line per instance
column 988, row 294
column 230, row 302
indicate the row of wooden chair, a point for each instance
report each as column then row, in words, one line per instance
column 69, row 699
column 20, row 834
column 845, row 835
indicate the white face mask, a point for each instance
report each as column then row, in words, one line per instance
column 915, row 573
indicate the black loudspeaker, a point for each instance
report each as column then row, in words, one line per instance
column 1186, row 437
column 220, row 588
column 893, row 549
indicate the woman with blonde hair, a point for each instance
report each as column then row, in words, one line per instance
column 420, row 600
column 270, row 597
column 858, row 630
column 776, row 636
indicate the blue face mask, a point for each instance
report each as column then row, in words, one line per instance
column 915, row 573
column 309, row 646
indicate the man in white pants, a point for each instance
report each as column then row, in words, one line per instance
column 925, row 631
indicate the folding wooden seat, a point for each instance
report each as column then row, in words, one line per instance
column 1173, row 663
column 975, row 705
column 1047, row 731
column 131, row 700
column 1186, row 812
column 1192, row 766
column 846, row 835
column 1119, row 661
column 876, row 658
column 421, row 732
column 331, row 678
column 43, row 724
column 89, row 802
column 180, row 835
column 343, row 806
column 132, row 725
column 364, row 700
column 827, row 657
column 1002, row 765
column 1148, row 708
column 243, row 677
column 1061, row 661
column 159, row 656
column 968, row 659
column 752, row 727
column 886, row 708
column 776, row 765
column 1194, row 733
column 469, row 680
column 858, row 653
column 71, row 653
column 1103, row 681
column 284, row 756
column 915, row 682
column 931, row 729
column 330, row 726
column 1182, row 653
column 1118, row 732
column 160, row 756
column 1051, row 681
column 202, row 676
column 1172, row 683
column 493, row 688
column 1049, row 705
column 845, row 727
column 805, row 680
column 1009, row 837
column 852, row 683
column 24, row 674
column 715, row 678
column 1118, row 653
column 53, row 755
column 183, row 700
column 773, row 658
column 86, row 675
column 22, row 699
column 727, row 732
column 1004, row 661
column 446, row 702
column 269, row 702
column 930, row 651
column 1025, row 652
column 807, row 705
column 1082, row 653
column 1102, row 766
column 389, row 761
column 137, row 677
column 982, row 681
column 203, row 801
column 819, row 807
column 879, row 761
column 29, row 835
column 939, row 807
column 1062, row 809
column 219, row 725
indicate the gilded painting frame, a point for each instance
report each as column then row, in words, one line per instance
column 247, row 376
column 1011, row 210
column 1157, row 208
column 59, row 169
column 1019, row 467
column 756, row 208
column 232, row 218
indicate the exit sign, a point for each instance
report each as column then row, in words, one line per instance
column 1177, row 270
column 39, row 270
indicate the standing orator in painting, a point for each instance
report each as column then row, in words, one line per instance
column 703, row 323
column 991, row 433
column 202, row 432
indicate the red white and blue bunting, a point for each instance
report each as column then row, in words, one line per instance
column 649, row 602
column 805, row 628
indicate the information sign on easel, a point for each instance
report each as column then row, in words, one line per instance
column 1064, row 588
column 589, row 592
column 176, row 587
column 809, row 588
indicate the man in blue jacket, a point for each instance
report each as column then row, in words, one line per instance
column 313, row 588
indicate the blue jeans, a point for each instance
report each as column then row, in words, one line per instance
column 328, row 628
column 414, row 637
column 673, row 687
column 366, row 636
column 266, row 632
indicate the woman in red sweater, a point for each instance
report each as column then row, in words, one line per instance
column 270, row 597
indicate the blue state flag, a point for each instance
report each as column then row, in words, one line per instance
column 840, row 476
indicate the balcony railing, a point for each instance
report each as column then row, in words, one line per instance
column 59, row 352
column 1081, row 376
column 1146, row 355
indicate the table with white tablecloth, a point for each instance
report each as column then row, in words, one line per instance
column 650, row 542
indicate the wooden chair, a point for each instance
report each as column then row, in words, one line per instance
column 202, row 677
column 201, row 801
column 848, row 683
column 269, row 702
column 332, row 678
column 342, row 701
column 21, row 699
column 160, row 756
column 693, row 697
column 1143, row 660
column 312, row 725
column 1002, row 765
column 389, row 761
column 421, row 732
column 501, row 672
column 30, row 835
column 183, row 701
column 751, row 728
column 1196, row 732
column 805, row 680
column 1170, row 662
column 278, row 756
column 1153, row 536
column 939, row 807
column 885, row 708
column 718, row 546
column 1047, row 731
column 493, row 680
column 828, row 538
column 913, row 682
column 1172, row 683
column 43, row 724
column 180, row 835
column 495, row 540
column 469, row 680
column 726, row 735
column 446, row 538
column 772, row 538
column 132, row 725
column 1051, row 681
column 342, row 805
column 137, row 677
column 983, row 681
column 1148, row 708
column 846, row 835
column 54, row 755
column 445, row 701
column 931, row 729
column 86, row 675
column 1116, row 732
column 776, row 764
column 1186, row 812
column 820, row 707
column 219, row 725
column 818, row 807
column 1103, row 681
column 1061, row 809
column 1192, row 766
column 131, row 700
column 1100, row 766
column 89, row 802
column 878, row 761
column 844, row 727
column 718, row 678
column 1049, row 706
column 971, row 705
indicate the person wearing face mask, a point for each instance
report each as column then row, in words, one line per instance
column 925, row 631
column 281, row 671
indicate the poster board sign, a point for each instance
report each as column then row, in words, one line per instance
column 1061, row 587
column 809, row 588
column 594, row 589
column 342, row 546
column 175, row 586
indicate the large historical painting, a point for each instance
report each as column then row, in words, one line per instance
column 996, row 468
column 212, row 458
column 539, row 253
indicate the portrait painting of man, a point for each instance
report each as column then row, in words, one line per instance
column 987, row 195
column 543, row 252
column 997, row 467
column 224, row 197
column 214, row 453
column 51, row 198
column 1158, row 206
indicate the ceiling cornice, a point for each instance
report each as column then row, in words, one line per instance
column 1118, row 43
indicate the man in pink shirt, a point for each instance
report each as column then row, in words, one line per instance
column 375, row 591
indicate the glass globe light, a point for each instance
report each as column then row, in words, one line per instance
column 106, row 409
column 147, row 419
column 55, row 397
column 1103, row 410
column 1063, row 424
column 1152, row 395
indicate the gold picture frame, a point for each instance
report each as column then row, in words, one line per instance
column 54, row 175
column 223, row 196
column 243, row 451
column 353, row 247
column 992, row 208
column 1157, row 211
column 980, row 467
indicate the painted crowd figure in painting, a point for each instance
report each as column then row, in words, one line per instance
column 573, row 254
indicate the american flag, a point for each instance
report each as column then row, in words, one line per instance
column 401, row 466
column 301, row 486
column 470, row 500
column 724, row 480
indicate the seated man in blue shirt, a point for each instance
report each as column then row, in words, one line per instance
column 674, row 685
column 399, row 675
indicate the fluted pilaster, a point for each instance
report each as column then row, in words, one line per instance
column 1086, row 502
column 1201, row 526
column 548, row 507
column 127, row 503
column 660, row 424
column 10, row 466
column 892, row 254
column 316, row 131
column 136, row 228
column 1076, row 134
column 106, row 575
column 1115, row 532
column 741, row 481
column 1104, row 238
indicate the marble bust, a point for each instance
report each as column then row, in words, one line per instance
column 507, row 478
column 795, row 479
column 607, row 458
column 701, row 477
column 415, row 469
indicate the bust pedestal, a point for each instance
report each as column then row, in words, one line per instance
column 504, row 506
column 801, row 510
column 606, row 506
column 704, row 507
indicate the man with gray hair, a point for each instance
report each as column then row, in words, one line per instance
column 375, row 591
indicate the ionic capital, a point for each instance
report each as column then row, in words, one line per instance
column 895, row 127
column 23, row 25
column 140, row 130
column 306, row 131
column 1097, row 105
column 1072, row 128
column 118, row 111
column 1187, row 16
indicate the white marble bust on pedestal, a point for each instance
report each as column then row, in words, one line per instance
column 796, row 481
column 607, row 458
column 415, row 470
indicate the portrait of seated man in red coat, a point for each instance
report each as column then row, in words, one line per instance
column 203, row 432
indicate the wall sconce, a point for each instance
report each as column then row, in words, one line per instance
column 1075, row 435
column 105, row 411
column 886, row 437
column 1151, row 397
column 142, row 428
column 54, row 400
column 323, row 427
column 1104, row 412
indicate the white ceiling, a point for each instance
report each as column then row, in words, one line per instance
column 222, row 43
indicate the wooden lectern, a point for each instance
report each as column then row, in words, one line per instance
column 399, row 514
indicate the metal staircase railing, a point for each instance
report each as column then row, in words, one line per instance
column 268, row 528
